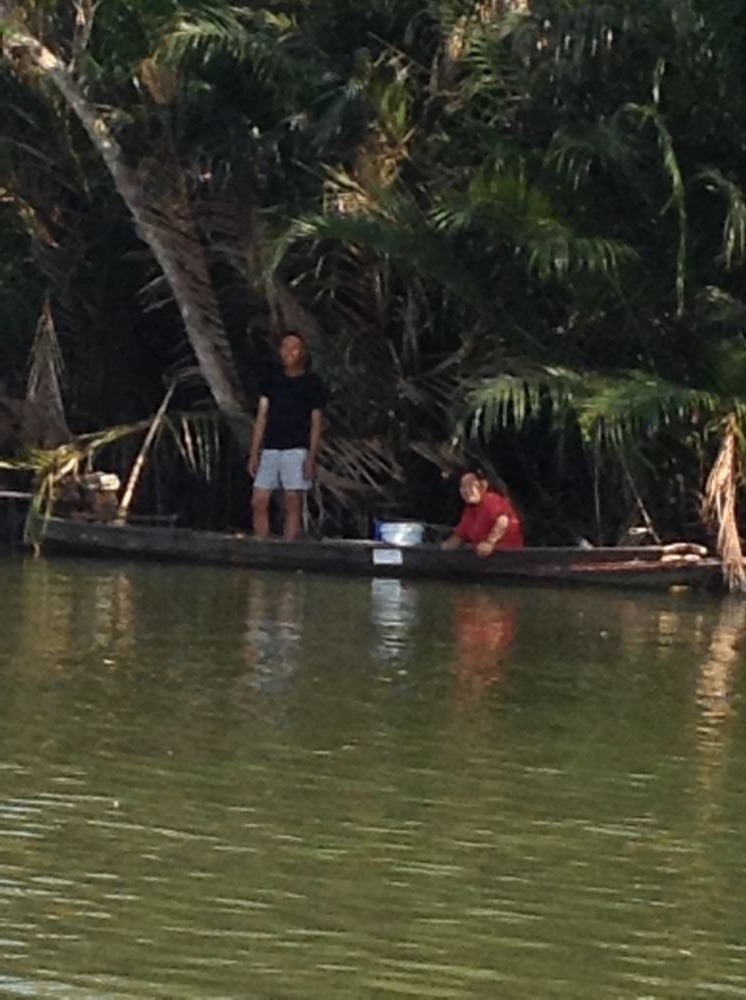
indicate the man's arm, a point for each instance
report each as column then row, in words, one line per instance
column 497, row 531
column 257, row 435
column 453, row 541
column 317, row 428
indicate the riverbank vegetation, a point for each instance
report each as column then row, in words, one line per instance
column 514, row 226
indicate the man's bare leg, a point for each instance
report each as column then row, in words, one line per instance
column 293, row 514
column 260, row 507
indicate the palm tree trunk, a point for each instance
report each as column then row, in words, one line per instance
column 163, row 219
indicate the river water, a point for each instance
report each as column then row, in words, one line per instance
column 215, row 783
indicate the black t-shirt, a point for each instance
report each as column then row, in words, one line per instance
column 291, row 401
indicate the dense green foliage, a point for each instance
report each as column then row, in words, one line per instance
column 524, row 224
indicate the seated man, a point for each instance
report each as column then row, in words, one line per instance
column 490, row 521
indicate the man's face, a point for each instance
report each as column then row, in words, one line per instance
column 472, row 488
column 292, row 352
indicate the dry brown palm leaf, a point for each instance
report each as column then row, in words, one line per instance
column 719, row 507
column 378, row 160
column 162, row 81
column 43, row 389
column 53, row 465
column 38, row 228
column 355, row 469
column 444, row 455
column 343, row 195
column 461, row 31
column 351, row 470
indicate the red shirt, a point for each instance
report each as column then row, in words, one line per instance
column 478, row 520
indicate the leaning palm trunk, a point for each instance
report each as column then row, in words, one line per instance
column 719, row 506
column 163, row 219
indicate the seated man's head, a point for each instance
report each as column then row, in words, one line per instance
column 475, row 481
column 472, row 486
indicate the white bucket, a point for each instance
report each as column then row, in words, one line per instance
column 400, row 532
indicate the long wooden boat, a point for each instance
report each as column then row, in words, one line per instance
column 650, row 566
column 13, row 508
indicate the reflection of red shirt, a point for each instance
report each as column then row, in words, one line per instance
column 485, row 630
column 478, row 520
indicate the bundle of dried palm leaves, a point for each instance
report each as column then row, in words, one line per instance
column 719, row 507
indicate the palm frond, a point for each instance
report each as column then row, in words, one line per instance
column 197, row 438
column 415, row 244
column 619, row 408
column 720, row 308
column 504, row 206
column 216, row 30
column 638, row 404
column 556, row 253
column 725, row 365
column 734, row 224
column 571, row 155
column 647, row 113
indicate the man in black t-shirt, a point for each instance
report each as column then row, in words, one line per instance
column 286, row 439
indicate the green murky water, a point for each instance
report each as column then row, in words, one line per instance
column 220, row 784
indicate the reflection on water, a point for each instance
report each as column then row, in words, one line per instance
column 225, row 784
column 715, row 688
column 393, row 612
column 274, row 621
column 485, row 627
column 716, row 699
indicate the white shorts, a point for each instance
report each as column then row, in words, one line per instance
column 282, row 468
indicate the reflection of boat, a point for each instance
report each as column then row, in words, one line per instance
column 651, row 566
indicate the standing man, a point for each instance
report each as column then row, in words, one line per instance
column 286, row 438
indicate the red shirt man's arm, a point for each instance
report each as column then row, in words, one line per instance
column 462, row 528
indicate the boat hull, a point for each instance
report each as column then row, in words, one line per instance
column 631, row 567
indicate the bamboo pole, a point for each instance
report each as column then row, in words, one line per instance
column 137, row 468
